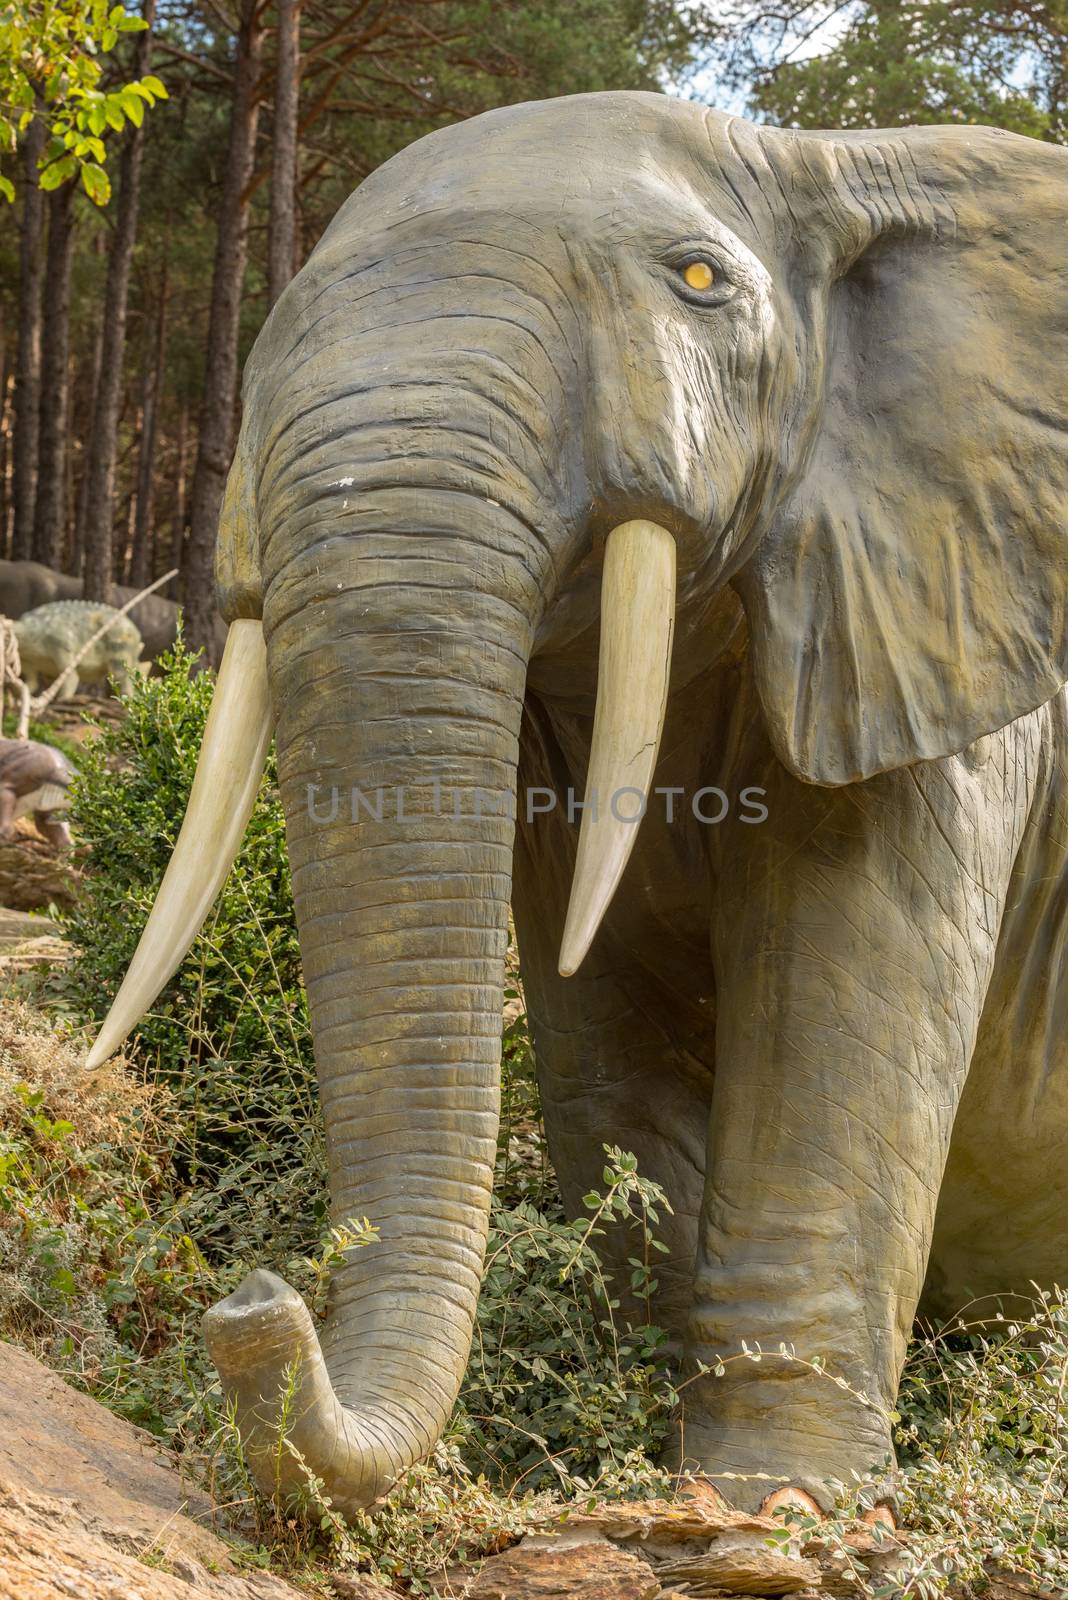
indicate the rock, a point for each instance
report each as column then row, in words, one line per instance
column 663, row 1525
column 745, row 1568
column 739, row 1564
column 1005, row 1585
column 49, row 1550
column 91, row 1508
column 22, row 927
column 588, row 1571
column 33, row 875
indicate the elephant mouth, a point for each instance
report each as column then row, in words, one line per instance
column 637, row 629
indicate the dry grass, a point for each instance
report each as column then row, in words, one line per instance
column 34, row 1053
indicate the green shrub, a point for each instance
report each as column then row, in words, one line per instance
column 558, row 1384
column 229, row 1035
column 983, row 1443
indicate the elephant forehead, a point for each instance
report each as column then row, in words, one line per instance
column 603, row 164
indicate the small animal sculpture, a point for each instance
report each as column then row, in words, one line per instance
column 51, row 636
column 25, row 585
column 34, row 777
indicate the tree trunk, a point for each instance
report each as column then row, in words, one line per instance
column 215, row 444
column 28, row 358
column 144, row 539
column 5, row 445
column 103, row 439
column 50, row 508
column 76, row 562
column 178, row 516
column 281, row 248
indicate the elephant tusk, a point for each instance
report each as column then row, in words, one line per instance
column 637, row 623
column 229, row 769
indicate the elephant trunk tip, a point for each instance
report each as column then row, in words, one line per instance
column 298, row 1440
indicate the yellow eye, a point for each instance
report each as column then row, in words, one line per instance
column 699, row 275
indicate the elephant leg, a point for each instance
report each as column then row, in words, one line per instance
column 7, row 814
column 624, row 1048
column 854, row 937
column 52, row 826
column 620, row 1077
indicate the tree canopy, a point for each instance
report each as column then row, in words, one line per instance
column 51, row 69
column 888, row 63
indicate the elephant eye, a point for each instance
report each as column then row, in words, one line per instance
column 699, row 275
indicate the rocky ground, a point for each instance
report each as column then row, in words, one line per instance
column 91, row 1509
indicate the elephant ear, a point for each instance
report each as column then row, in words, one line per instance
column 909, row 595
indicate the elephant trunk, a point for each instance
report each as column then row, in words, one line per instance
column 399, row 673
column 399, row 678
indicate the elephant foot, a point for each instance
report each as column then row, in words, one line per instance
column 297, row 1438
column 761, row 1470
column 790, row 1498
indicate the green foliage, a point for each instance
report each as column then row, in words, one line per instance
column 230, row 1034
column 882, row 63
column 559, row 1383
column 50, row 66
column 983, row 1442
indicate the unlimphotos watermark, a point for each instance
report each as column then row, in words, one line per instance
column 709, row 805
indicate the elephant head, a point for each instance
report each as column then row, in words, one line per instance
column 613, row 348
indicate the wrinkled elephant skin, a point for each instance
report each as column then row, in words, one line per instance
column 803, row 399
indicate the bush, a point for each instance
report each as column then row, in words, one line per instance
column 983, row 1443
column 229, row 1035
column 557, row 1384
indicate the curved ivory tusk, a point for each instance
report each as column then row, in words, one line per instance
column 229, row 769
column 637, row 623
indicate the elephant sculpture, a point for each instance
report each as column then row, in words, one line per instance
column 611, row 445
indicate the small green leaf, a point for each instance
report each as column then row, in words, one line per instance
column 7, row 188
column 96, row 183
column 57, row 173
column 64, row 1281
